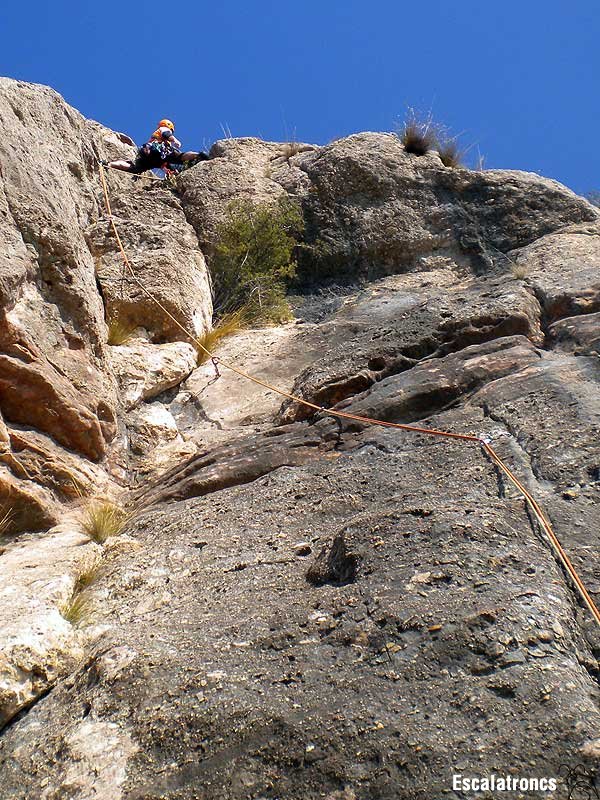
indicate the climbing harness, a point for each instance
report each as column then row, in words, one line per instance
column 483, row 441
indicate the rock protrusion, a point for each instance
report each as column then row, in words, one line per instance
column 336, row 564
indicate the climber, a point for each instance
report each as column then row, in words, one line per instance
column 161, row 151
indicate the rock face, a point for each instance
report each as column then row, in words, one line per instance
column 144, row 370
column 302, row 608
column 59, row 280
column 39, row 644
column 237, row 168
column 167, row 262
column 373, row 209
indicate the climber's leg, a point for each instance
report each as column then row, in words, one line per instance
column 122, row 164
column 191, row 156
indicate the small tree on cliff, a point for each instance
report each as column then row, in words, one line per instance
column 254, row 259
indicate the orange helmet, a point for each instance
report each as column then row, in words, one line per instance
column 166, row 123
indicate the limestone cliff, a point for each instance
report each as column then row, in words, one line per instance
column 299, row 608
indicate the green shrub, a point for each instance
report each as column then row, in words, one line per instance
column 254, row 259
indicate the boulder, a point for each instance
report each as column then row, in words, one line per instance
column 30, row 507
column 144, row 370
column 237, row 168
column 563, row 269
column 38, row 476
column 53, row 376
column 150, row 426
column 165, row 257
column 52, row 329
column 579, row 335
column 374, row 209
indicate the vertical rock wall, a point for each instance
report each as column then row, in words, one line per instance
column 60, row 279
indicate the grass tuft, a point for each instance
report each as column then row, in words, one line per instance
column 226, row 326
column 421, row 133
column 102, row 519
column 416, row 140
column 418, row 134
column 6, row 517
column 450, row 153
column 76, row 609
column 519, row 271
column 87, row 577
column 79, row 607
column 119, row 332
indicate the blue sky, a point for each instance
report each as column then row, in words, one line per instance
column 520, row 80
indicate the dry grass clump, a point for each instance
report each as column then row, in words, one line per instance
column 519, row 271
column 417, row 140
column 76, row 609
column 6, row 517
column 226, row 326
column 450, row 153
column 119, row 331
column 86, row 577
column 418, row 134
column 421, row 133
column 102, row 519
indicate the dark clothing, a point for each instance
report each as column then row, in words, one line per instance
column 158, row 155
column 153, row 155
column 174, row 157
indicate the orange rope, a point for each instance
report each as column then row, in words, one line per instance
column 529, row 499
column 553, row 538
